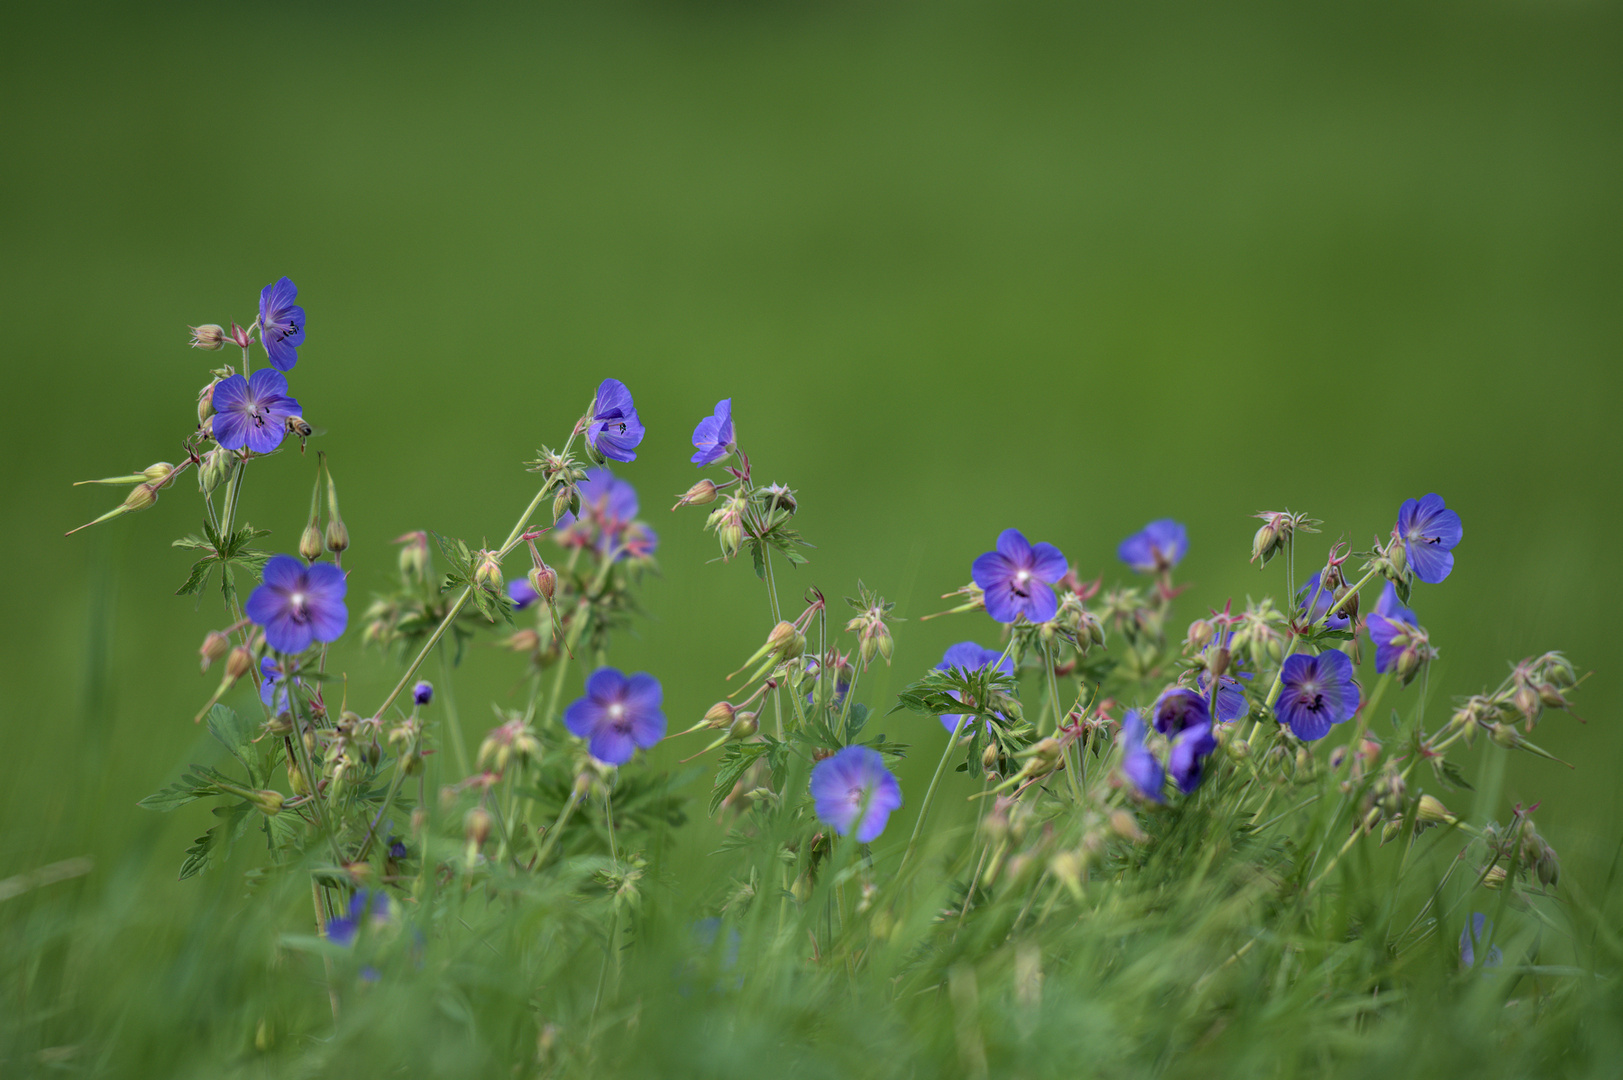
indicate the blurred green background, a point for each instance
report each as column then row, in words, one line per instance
column 960, row 266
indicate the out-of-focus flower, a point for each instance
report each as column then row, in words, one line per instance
column 714, row 438
column 1190, row 748
column 1137, row 763
column 969, row 656
column 1317, row 691
column 1016, row 578
column 281, row 323
column 252, row 411
column 422, row 693
column 1429, row 531
column 521, row 593
column 274, row 686
column 608, row 509
column 1179, row 708
column 1321, row 599
column 613, row 428
column 366, row 904
column 1471, row 939
column 854, row 791
column 299, row 603
column 1157, row 547
column 617, row 715
column 1401, row 646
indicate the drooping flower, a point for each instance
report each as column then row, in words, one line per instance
column 1157, row 547
column 1016, row 578
column 1187, row 759
column 422, row 693
column 1137, row 763
column 1391, row 607
column 853, row 790
column 1429, row 532
column 281, row 323
column 714, row 438
column 1401, row 646
column 618, row 715
column 274, row 685
column 968, row 656
column 1179, row 708
column 613, row 428
column 299, row 603
column 1321, row 599
column 1471, row 939
column 608, row 509
column 252, row 411
column 366, row 904
column 1316, row 692
column 1231, row 702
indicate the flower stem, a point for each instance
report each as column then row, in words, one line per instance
column 929, row 794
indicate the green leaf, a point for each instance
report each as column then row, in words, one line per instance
column 758, row 557
column 174, row 796
column 735, row 761
column 236, row 734
column 198, row 578
column 213, row 845
column 1449, row 775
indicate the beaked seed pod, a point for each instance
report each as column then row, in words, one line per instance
column 215, row 645
column 310, row 543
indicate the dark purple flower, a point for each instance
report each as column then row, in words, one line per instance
column 968, row 656
column 252, row 411
column 1178, row 708
column 1137, row 763
column 1321, row 599
column 397, row 849
column 613, row 429
column 365, row 903
column 714, row 437
column 617, row 715
column 1157, row 547
column 273, row 685
column 298, row 604
column 608, row 507
column 1472, row 937
column 1429, row 532
column 422, row 693
column 1016, row 578
column 281, row 323
column 1187, row 759
column 853, row 789
column 1317, row 691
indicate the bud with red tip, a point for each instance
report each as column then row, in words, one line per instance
column 208, row 336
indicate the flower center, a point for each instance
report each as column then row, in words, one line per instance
column 299, row 602
column 854, row 795
column 1311, row 696
column 617, row 712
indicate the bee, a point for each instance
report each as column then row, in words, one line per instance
column 296, row 425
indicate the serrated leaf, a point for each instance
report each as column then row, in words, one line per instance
column 758, row 557
column 174, row 796
column 1449, row 774
column 236, row 734
column 198, row 579
column 735, row 761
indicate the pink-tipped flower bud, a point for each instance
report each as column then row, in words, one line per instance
column 141, row 497
column 239, row 663
column 701, row 494
column 1200, row 634
column 476, row 826
column 413, row 555
column 208, row 336
column 544, row 580
column 488, row 572
column 215, row 645
column 720, row 715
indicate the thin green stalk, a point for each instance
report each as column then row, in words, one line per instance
column 929, row 793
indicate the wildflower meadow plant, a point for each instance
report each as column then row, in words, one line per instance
column 546, row 851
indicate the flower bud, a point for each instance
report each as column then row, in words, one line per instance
column 140, row 497
column 476, row 826
column 267, row 802
column 216, row 469
column 1504, row 735
column 488, row 572
column 1200, row 634
column 782, row 637
column 1528, row 702
column 583, row 784
column 238, row 663
column 1408, row 664
column 1548, row 866
column 310, row 543
column 1495, row 877
column 1389, row 831
column 1125, row 825
column 160, row 474
column 701, row 494
column 731, row 536
column 337, row 535
column 215, row 645
column 525, row 640
column 720, row 715
column 205, row 402
column 422, row 693
column 208, row 336
column 1431, row 810
column 745, row 726
column 544, row 580
column 989, row 757
column 563, row 502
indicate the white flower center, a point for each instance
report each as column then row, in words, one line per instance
column 298, row 600
column 1023, row 576
column 617, row 712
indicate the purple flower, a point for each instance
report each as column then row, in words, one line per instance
column 613, row 429
column 1392, row 608
column 853, row 789
column 714, row 438
column 252, row 411
column 397, row 849
column 617, row 715
column 1016, row 578
column 422, row 693
column 521, row 593
column 1317, row 691
column 1321, row 599
column 1472, row 937
column 281, row 323
column 273, row 685
column 608, row 507
column 638, row 541
column 1179, row 708
column 842, row 678
column 1429, row 531
column 1190, row 748
column 1231, row 702
column 1137, row 763
column 366, row 902
column 298, row 604
column 968, row 656
column 1157, row 547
